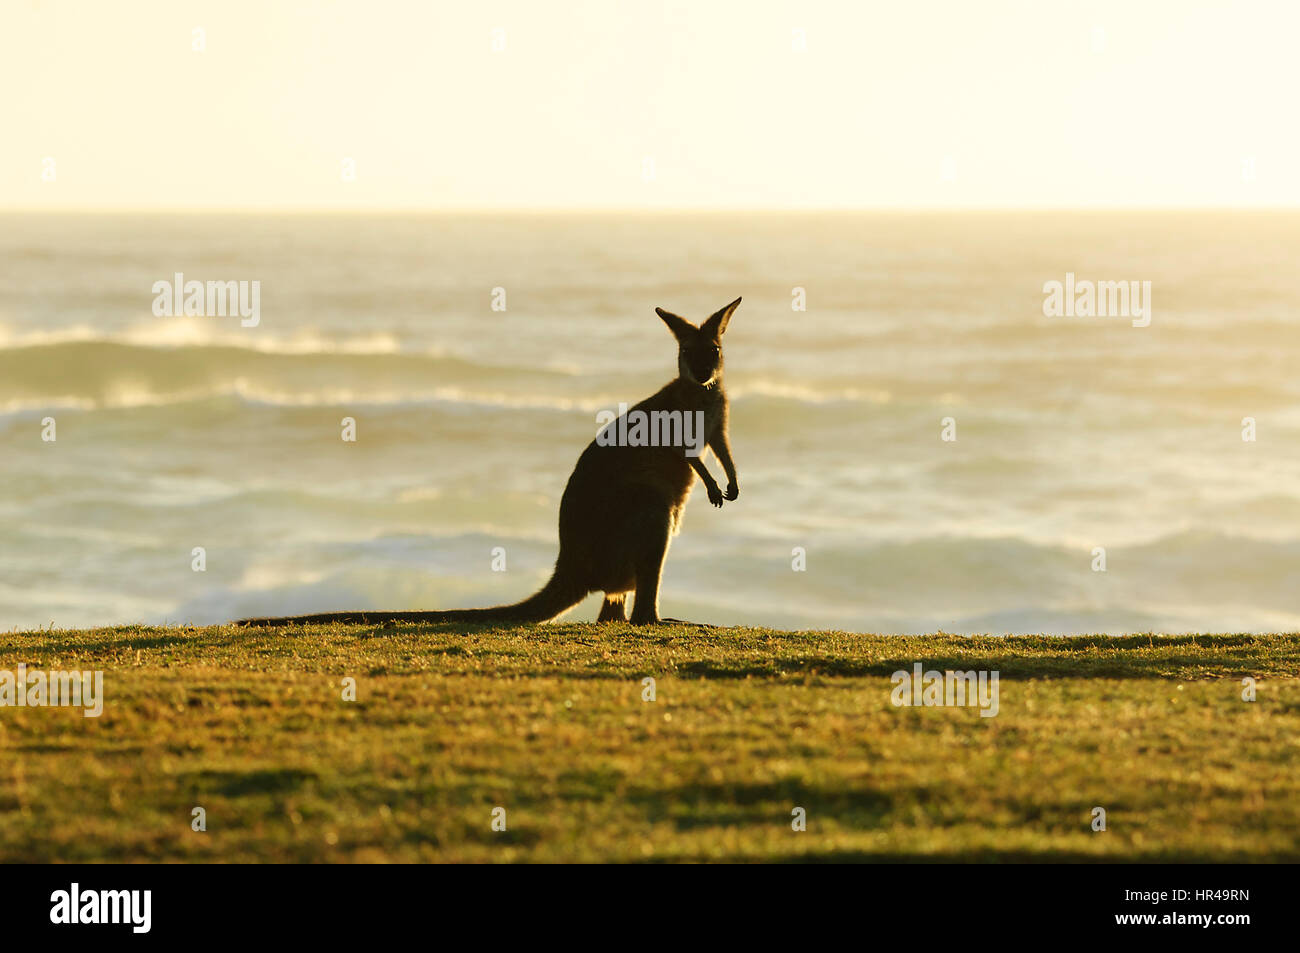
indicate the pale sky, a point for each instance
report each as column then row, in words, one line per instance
column 891, row 104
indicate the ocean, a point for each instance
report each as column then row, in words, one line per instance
column 1098, row 480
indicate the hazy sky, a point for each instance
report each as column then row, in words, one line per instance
column 648, row 104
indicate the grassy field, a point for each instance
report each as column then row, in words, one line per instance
column 549, row 722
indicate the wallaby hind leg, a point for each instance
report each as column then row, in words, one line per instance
column 648, row 535
column 614, row 608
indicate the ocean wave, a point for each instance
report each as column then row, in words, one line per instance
column 98, row 373
column 191, row 332
column 250, row 394
column 951, row 584
column 946, row 567
column 70, row 372
column 802, row 394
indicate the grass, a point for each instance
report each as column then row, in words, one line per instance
column 548, row 722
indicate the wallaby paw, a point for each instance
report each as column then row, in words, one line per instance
column 733, row 491
column 715, row 495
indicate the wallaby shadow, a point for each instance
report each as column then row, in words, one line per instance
column 1108, row 657
column 712, row 653
column 245, row 783
column 868, row 808
column 1173, row 667
column 114, row 640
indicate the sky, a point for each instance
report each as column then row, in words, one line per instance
column 514, row 104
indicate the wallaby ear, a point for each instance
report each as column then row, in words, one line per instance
column 717, row 322
column 680, row 327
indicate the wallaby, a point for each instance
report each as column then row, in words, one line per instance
column 622, row 505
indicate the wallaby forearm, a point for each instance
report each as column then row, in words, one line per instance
column 697, row 464
column 710, row 485
column 721, row 448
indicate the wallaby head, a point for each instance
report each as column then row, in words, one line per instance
column 699, row 350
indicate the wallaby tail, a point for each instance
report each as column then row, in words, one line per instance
column 559, row 595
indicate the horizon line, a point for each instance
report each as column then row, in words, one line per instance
column 615, row 210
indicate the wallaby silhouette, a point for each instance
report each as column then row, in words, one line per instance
column 622, row 505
